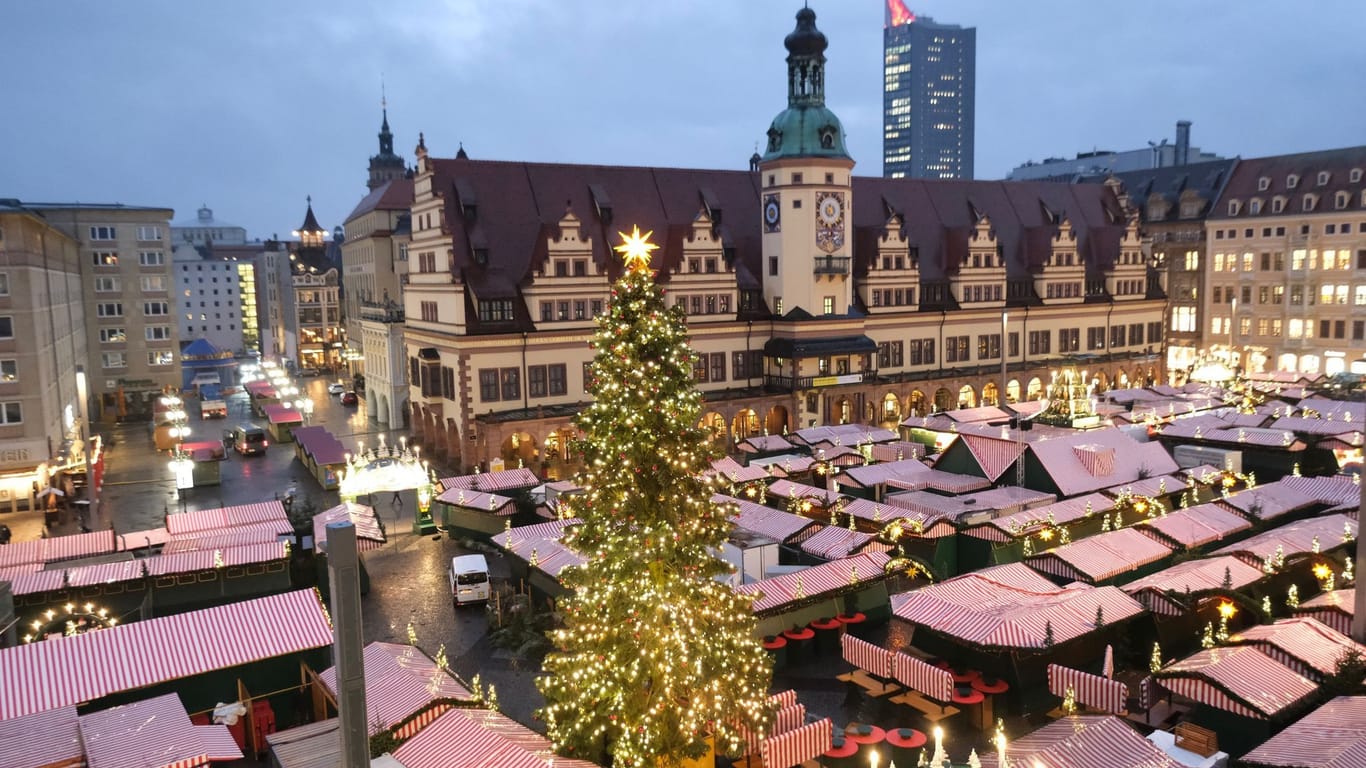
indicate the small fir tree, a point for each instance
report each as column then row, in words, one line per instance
column 1100, row 617
column 1048, row 634
column 655, row 654
column 1227, row 583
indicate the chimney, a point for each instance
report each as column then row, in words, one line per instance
column 1183, row 142
column 347, row 648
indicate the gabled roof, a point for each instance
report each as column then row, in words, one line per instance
column 1245, row 181
column 392, row 195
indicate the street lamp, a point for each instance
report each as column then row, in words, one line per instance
column 182, row 467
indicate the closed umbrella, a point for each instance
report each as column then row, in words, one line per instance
column 1108, row 668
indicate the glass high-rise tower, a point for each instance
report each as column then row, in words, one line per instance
column 929, row 96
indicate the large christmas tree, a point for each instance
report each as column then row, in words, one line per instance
column 655, row 654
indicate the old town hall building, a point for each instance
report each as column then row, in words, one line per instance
column 813, row 296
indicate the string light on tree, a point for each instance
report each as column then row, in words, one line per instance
column 655, row 655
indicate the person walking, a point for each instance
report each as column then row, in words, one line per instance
column 397, row 501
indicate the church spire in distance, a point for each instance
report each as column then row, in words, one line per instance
column 386, row 166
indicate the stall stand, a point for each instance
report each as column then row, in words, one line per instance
column 283, row 419
column 206, row 457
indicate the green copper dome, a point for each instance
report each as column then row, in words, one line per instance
column 805, row 131
column 806, row 128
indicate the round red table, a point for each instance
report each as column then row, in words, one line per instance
column 965, row 676
column 1000, row 686
column 827, row 635
column 799, row 644
column 777, row 648
column 864, row 733
column 904, row 743
column 842, row 753
column 968, row 697
column 852, row 624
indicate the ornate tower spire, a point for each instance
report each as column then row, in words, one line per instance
column 385, row 166
column 806, row 62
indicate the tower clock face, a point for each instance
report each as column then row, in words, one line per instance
column 830, row 221
column 771, row 213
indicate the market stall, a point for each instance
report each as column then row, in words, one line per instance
column 1332, row 736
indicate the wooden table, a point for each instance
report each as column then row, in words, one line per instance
column 932, row 710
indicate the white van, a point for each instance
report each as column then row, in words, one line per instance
column 469, row 579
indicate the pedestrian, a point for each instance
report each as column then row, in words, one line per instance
column 396, row 501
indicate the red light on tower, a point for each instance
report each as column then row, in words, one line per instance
column 898, row 14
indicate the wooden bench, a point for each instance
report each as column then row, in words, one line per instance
column 874, row 686
column 1193, row 738
column 932, row 710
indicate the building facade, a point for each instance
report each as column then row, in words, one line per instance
column 1287, row 271
column 43, row 344
column 1172, row 204
column 315, row 283
column 813, row 296
column 929, row 96
column 209, row 293
column 128, row 291
column 1100, row 162
column 205, row 230
column 374, row 257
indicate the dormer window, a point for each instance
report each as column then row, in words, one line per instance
column 1255, row 206
column 1190, row 209
column 1264, row 183
column 1233, row 207
column 1277, row 204
column 1340, row 200
column 1354, row 176
column 828, row 137
column 1310, row 201
column 1292, row 181
column 1323, row 178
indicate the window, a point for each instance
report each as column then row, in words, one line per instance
column 512, row 383
column 828, row 305
column 718, row 366
column 155, row 308
column 11, row 413
column 745, row 365
column 778, row 305
column 1014, row 343
column 1358, row 329
column 152, row 283
column 151, row 258
column 113, row 360
column 149, row 233
column 1183, row 319
column 495, row 310
column 547, row 311
column 158, row 332
column 989, row 346
column 890, row 354
column 956, row 349
column 112, row 336
column 426, row 261
column 580, row 309
column 1117, row 336
column 488, row 384
column 796, row 178
column 535, row 381
column 109, row 309
column 103, row 233
column 429, row 313
column 105, row 258
column 557, row 375
column 699, row 369
column 1233, row 206
column 772, row 266
column 1292, row 181
column 1095, row 338
column 160, row 357
column 107, row 285
column 1069, row 340
column 9, row 370
column 1323, row 178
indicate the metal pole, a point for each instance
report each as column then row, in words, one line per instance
column 1005, row 349
column 347, row 643
column 92, row 490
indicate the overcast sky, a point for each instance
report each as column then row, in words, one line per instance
column 250, row 106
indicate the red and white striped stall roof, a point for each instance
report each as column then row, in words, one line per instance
column 994, row 454
column 843, row 434
column 255, row 533
column 1007, row 527
column 832, row 542
column 226, row 517
column 78, row 545
column 208, row 559
column 1195, row 526
column 1301, row 643
column 797, row 746
column 488, row 482
column 1334, row 490
column 460, row 739
column 15, row 571
column 369, row 533
column 1191, row 576
column 1100, row 557
column 50, row 739
column 554, row 531
column 1295, row 538
column 399, row 680
column 874, row 475
column 1239, row 679
column 735, row 472
column 1160, row 485
column 1084, row 741
column 1000, row 608
column 916, row 523
column 492, row 503
column 90, row 666
column 1334, row 609
column 1270, row 501
column 777, row 592
column 104, row 573
column 899, row 450
column 540, row 546
column 282, row 413
column 786, row 489
column 764, row 444
column 1092, row 468
column 57, row 548
column 153, row 733
column 785, row 465
column 766, row 521
column 1337, row 731
column 38, row 581
column 1090, row 690
column 140, row 539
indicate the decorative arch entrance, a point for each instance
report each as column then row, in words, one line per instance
column 776, row 420
column 714, row 425
column 1013, row 391
column 989, row 394
column 520, row 449
column 745, row 424
column 917, row 403
column 967, row 397
column 1035, row 390
column 943, row 399
column 891, row 410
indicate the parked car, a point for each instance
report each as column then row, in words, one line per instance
column 336, row 388
column 248, row 439
column 308, row 372
column 349, row 398
column 469, row 577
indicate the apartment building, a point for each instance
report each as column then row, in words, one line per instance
column 127, row 285
column 1287, row 271
column 813, row 296
column 42, row 345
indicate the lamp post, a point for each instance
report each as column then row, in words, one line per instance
column 1005, row 349
column 1232, row 323
column 92, row 489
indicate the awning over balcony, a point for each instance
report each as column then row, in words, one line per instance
column 796, row 349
